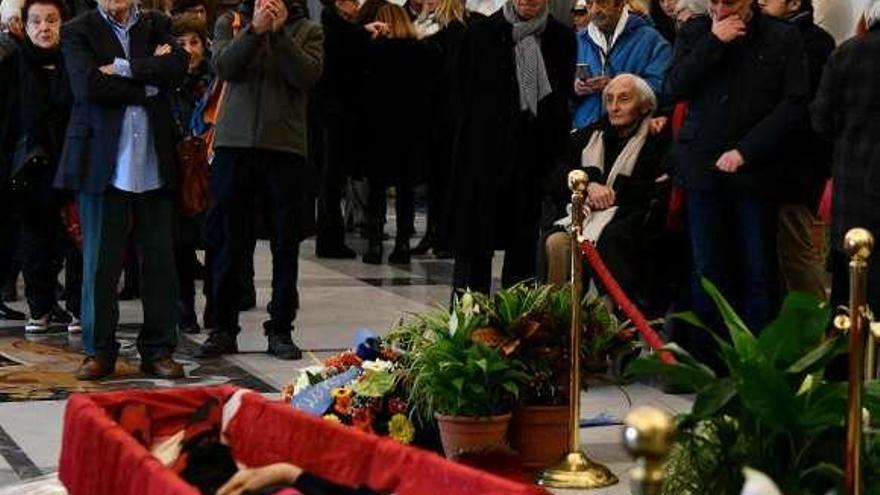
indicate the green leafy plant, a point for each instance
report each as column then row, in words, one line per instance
column 773, row 410
column 450, row 373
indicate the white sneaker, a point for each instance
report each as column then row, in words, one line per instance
column 37, row 325
column 75, row 326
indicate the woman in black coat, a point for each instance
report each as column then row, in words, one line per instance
column 444, row 45
column 38, row 108
column 502, row 152
column 393, row 125
column 335, row 110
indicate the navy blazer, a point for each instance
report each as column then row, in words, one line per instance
column 92, row 140
column 749, row 94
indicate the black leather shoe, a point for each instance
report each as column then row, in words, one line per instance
column 400, row 255
column 340, row 252
column 373, row 256
column 217, row 345
column 7, row 313
column 422, row 247
column 282, row 347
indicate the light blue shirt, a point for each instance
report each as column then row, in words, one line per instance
column 137, row 165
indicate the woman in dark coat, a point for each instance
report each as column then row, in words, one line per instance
column 395, row 89
column 506, row 139
column 38, row 103
column 335, row 108
column 444, row 45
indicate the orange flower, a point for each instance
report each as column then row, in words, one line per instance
column 342, row 400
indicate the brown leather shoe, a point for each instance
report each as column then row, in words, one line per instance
column 93, row 368
column 163, row 368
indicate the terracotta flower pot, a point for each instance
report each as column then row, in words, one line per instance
column 540, row 434
column 462, row 434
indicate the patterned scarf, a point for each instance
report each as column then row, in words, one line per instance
column 531, row 73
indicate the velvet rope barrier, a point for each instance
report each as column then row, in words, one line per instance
column 623, row 301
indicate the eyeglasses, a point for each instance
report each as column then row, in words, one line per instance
column 579, row 11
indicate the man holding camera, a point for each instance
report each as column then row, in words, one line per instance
column 269, row 64
column 615, row 42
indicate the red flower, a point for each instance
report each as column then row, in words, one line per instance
column 363, row 420
column 397, row 406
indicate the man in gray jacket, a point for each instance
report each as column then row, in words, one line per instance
column 260, row 145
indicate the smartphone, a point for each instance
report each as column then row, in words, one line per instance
column 582, row 72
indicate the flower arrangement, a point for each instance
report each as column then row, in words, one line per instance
column 360, row 388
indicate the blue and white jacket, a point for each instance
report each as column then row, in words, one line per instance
column 636, row 48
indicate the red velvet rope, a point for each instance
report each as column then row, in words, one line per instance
column 623, row 301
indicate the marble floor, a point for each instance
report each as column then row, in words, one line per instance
column 337, row 298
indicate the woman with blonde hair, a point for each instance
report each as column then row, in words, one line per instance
column 397, row 21
column 394, row 80
column 449, row 18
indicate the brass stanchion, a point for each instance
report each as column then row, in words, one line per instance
column 648, row 437
column 576, row 470
column 858, row 244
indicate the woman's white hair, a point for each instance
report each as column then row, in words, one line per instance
column 646, row 96
column 872, row 14
column 10, row 9
column 696, row 7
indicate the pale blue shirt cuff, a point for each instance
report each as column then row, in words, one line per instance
column 121, row 67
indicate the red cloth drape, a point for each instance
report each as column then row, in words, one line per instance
column 99, row 458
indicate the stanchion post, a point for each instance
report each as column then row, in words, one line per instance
column 576, row 470
column 648, row 436
column 858, row 244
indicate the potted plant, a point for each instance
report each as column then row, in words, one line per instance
column 773, row 410
column 466, row 385
column 541, row 420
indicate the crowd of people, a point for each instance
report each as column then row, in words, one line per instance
column 709, row 130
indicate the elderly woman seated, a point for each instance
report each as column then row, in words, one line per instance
column 625, row 162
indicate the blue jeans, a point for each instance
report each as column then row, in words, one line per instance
column 733, row 238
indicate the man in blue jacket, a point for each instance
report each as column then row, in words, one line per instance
column 616, row 41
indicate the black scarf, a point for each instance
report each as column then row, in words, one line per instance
column 44, row 97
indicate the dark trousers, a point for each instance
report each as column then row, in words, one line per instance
column 377, row 204
column 10, row 238
column 330, row 149
column 236, row 176
column 107, row 219
column 475, row 271
column 185, row 259
column 733, row 241
column 45, row 249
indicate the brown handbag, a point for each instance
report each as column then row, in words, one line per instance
column 215, row 99
column 195, row 181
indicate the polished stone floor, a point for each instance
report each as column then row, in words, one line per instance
column 337, row 298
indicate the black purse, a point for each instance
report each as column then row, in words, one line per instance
column 28, row 162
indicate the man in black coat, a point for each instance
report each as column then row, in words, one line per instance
column 846, row 110
column 746, row 79
column 119, row 155
column 512, row 124
column 807, row 165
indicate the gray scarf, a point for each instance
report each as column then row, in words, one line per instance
column 531, row 73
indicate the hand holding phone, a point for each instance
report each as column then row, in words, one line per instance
column 582, row 72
